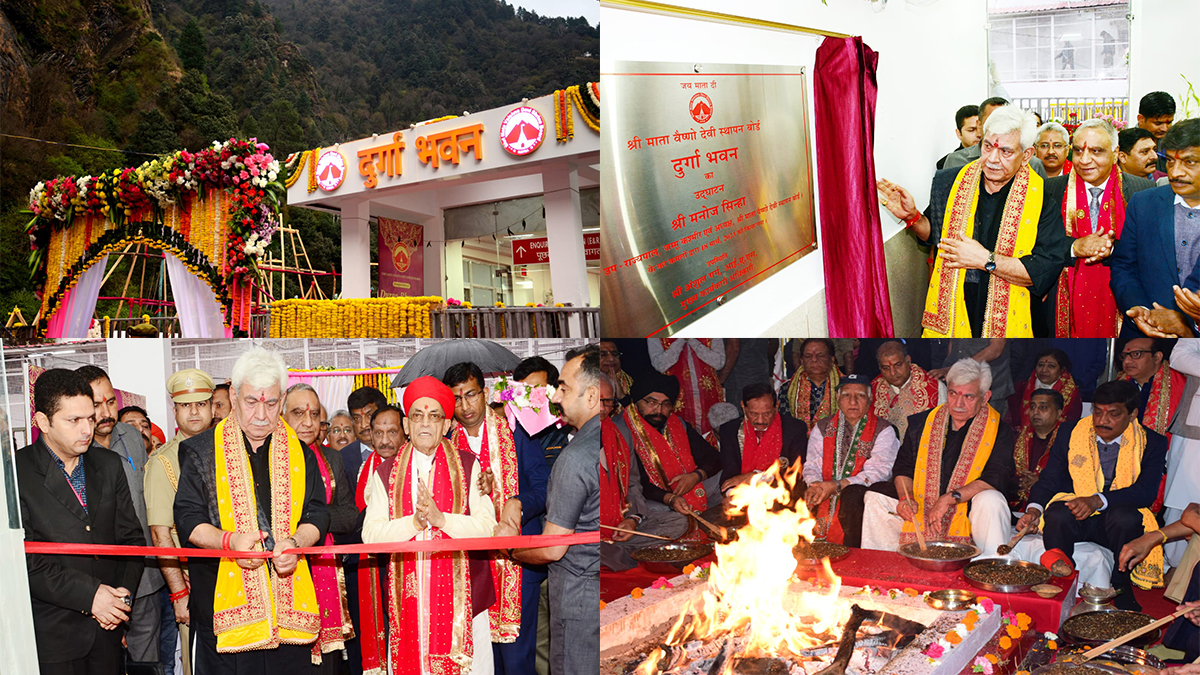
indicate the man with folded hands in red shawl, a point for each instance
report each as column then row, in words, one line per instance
column 1093, row 195
column 847, row 452
column 438, row 600
column 679, row 470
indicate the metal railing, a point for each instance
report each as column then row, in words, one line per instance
column 1061, row 109
column 516, row 322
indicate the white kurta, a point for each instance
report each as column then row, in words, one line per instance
column 378, row 527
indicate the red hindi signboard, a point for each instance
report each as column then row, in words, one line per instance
column 401, row 259
column 536, row 250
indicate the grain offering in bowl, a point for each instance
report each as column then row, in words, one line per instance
column 1005, row 575
column 936, row 551
column 819, row 549
column 1105, row 626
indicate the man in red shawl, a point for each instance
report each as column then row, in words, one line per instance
column 761, row 438
column 1034, row 440
column 622, row 505
column 679, row 470
column 694, row 362
column 847, row 452
column 1093, row 195
column 1144, row 361
column 303, row 412
column 515, row 470
column 902, row 388
column 437, row 601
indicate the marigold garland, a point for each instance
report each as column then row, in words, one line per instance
column 295, row 168
column 354, row 317
column 312, row 170
column 577, row 98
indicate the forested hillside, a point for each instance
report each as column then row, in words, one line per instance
column 151, row 76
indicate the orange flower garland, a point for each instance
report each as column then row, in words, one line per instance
column 357, row 317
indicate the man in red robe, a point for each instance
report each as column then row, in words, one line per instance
column 437, row 601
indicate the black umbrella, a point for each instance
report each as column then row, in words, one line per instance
column 436, row 359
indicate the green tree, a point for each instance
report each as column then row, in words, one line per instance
column 154, row 134
column 279, row 127
column 191, row 47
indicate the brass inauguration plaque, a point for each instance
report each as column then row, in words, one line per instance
column 706, row 188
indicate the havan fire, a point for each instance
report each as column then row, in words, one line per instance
column 754, row 616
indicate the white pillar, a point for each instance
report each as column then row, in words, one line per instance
column 356, row 249
column 142, row 367
column 564, row 235
column 435, row 259
column 455, row 287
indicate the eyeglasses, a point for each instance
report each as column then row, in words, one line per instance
column 1006, row 153
column 341, row 430
column 1134, row 354
column 469, row 397
column 1056, row 146
column 324, row 425
column 665, row 404
column 431, row 418
column 609, row 402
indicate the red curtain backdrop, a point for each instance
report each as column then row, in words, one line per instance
column 856, row 290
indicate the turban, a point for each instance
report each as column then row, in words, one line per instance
column 430, row 387
column 655, row 381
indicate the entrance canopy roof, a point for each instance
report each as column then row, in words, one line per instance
column 409, row 174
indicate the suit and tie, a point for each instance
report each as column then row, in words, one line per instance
column 62, row 587
column 1045, row 308
column 1145, row 264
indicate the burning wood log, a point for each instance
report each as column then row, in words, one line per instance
column 846, row 646
column 724, row 657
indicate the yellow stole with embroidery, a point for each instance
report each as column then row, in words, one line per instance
column 1007, row 313
column 927, row 478
column 1087, row 479
column 258, row 609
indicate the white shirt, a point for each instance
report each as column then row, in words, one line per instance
column 877, row 468
column 1179, row 201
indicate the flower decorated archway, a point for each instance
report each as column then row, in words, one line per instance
column 214, row 211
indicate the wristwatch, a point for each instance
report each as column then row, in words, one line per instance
column 991, row 263
column 956, row 494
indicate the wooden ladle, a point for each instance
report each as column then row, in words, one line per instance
column 1006, row 548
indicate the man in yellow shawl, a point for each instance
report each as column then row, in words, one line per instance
column 998, row 236
column 952, row 473
column 249, row 484
column 1101, row 478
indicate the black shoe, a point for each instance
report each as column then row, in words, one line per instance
column 1125, row 600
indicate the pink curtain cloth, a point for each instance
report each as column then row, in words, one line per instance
column 74, row 314
column 856, row 291
column 199, row 312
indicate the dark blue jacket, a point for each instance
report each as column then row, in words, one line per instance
column 352, row 458
column 1144, row 266
column 1056, row 477
column 533, row 474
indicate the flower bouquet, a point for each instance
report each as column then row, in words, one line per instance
column 530, row 405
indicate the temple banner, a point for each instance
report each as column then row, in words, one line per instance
column 706, row 188
column 401, row 261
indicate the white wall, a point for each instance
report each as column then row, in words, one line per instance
column 143, row 366
column 932, row 61
column 1161, row 48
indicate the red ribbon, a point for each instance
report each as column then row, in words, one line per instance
column 468, row 544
